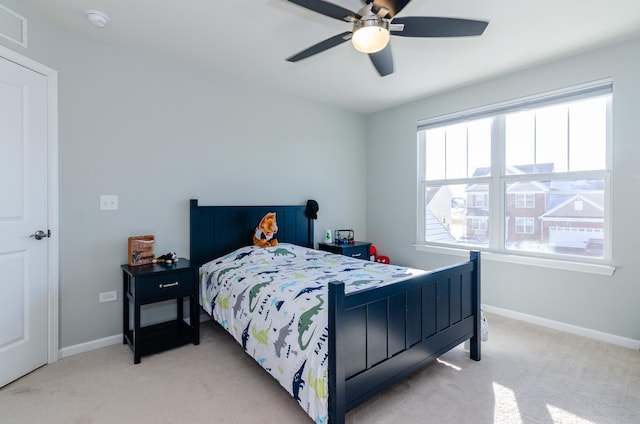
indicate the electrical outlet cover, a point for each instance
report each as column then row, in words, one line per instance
column 108, row 296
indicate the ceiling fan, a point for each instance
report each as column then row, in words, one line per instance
column 375, row 22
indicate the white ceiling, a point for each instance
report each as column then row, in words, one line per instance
column 250, row 39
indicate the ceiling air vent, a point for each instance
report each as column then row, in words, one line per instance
column 13, row 26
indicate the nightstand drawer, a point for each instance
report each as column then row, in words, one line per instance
column 359, row 252
column 165, row 286
column 358, row 249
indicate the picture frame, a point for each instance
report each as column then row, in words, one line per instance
column 140, row 250
column 344, row 237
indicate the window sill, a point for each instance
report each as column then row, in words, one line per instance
column 566, row 265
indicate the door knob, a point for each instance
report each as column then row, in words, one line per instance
column 39, row 235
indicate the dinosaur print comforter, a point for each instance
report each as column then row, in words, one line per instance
column 273, row 301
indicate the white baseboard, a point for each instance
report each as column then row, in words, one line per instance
column 532, row 319
column 567, row 328
column 107, row 341
column 88, row 346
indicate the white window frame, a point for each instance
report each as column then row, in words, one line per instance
column 498, row 182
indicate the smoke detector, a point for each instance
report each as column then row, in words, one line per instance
column 97, row 18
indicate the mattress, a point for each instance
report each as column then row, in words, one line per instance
column 273, row 301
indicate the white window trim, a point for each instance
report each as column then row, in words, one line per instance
column 536, row 100
column 565, row 265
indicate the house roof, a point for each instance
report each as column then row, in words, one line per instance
column 528, row 187
column 580, row 205
column 564, row 191
column 536, row 168
column 437, row 232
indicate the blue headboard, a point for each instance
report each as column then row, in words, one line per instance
column 218, row 230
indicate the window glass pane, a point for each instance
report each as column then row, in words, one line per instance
column 568, row 217
column 519, row 141
column 552, row 145
column 435, row 154
column 558, row 138
column 479, row 148
column 456, row 151
column 457, row 214
column 588, row 134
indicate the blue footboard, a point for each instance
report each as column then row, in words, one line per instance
column 379, row 336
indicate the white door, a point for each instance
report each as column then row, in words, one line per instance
column 24, row 299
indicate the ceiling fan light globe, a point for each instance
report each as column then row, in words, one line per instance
column 370, row 36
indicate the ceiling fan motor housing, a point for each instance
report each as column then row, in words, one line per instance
column 370, row 34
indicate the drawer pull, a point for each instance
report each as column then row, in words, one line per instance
column 356, row 255
column 164, row 286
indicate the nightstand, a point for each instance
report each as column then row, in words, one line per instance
column 358, row 249
column 146, row 284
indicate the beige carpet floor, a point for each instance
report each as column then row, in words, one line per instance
column 528, row 374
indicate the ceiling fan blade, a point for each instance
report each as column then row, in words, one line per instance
column 321, row 46
column 428, row 26
column 394, row 6
column 383, row 61
column 328, row 9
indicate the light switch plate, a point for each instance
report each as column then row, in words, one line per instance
column 108, row 202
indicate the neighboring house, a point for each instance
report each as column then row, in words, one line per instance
column 559, row 214
column 526, row 202
column 477, row 214
column 574, row 214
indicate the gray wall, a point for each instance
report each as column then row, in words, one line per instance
column 601, row 303
column 156, row 134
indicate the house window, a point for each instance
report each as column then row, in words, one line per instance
column 478, row 200
column 525, row 200
column 479, row 225
column 528, row 177
column 525, row 225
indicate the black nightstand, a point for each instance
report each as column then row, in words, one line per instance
column 358, row 249
column 145, row 284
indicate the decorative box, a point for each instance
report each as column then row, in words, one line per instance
column 141, row 250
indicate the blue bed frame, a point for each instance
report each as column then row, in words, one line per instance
column 377, row 336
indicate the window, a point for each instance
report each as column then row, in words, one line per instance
column 525, row 225
column 528, row 177
column 525, row 200
column 478, row 200
column 479, row 226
